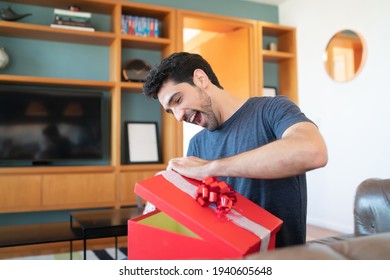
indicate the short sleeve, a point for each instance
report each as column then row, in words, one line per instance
column 283, row 113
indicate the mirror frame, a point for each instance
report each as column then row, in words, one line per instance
column 345, row 55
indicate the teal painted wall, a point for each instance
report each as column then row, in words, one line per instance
column 49, row 59
column 137, row 108
column 77, row 61
column 55, row 59
column 241, row 9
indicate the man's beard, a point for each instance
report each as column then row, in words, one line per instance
column 207, row 110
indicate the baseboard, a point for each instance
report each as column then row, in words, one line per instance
column 329, row 225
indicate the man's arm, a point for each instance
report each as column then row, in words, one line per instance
column 300, row 149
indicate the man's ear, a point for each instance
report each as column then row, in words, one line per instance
column 200, row 78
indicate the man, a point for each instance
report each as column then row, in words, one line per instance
column 262, row 146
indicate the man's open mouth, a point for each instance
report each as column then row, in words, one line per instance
column 193, row 118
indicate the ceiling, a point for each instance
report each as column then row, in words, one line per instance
column 270, row 2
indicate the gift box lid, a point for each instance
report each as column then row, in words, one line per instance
column 162, row 191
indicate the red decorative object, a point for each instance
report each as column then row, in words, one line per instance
column 74, row 8
column 186, row 231
column 213, row 191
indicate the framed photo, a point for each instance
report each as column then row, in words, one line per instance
column 270, row 91
column 142, row 142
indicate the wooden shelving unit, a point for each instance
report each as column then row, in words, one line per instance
column 33, row 31
column 40, row 81
column 54, row 188
column 284, row 58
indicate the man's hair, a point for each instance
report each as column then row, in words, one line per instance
column 179, row 68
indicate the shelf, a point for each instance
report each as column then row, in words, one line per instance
column 150, row 43
column 273, row 29
column 45, row 81
column 284, row 58
column 143, row 167
column 145, row 10
column 56, row 170
column 41, row 32
column 131, row 87
column 272, row 56
column 93, row 6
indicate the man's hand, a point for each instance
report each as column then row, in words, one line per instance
column 191, row 167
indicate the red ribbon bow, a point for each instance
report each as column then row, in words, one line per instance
column 213, row 191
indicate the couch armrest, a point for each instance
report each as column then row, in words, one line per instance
column 373, row 247
column 372, row 207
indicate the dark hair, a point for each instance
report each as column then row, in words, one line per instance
column 179, row 68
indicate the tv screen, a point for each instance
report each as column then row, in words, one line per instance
column 45, row 126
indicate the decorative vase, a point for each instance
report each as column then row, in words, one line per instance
column 10, row 15
column 4, row 58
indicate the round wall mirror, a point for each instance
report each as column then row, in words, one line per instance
column 344, row 55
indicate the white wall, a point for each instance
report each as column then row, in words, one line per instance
column 353, row 116
column 189, row 130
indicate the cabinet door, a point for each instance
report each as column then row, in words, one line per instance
column 76, row 190
column 20, row 191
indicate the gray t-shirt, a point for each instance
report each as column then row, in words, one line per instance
column 259, row 121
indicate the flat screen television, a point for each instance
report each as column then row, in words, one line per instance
column 46, row 126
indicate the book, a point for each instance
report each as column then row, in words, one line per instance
column 64, row 26
column 72, row 13
column 140, row 26
column 71, row 18
column 124, row 25
column 72, row 23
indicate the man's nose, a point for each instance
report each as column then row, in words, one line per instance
column 179, row 114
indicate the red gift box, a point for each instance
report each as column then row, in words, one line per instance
column 182, row 229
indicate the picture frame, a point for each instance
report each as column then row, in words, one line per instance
column 270, row 91
column 142, row 142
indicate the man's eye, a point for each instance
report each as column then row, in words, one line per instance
column 178, row 100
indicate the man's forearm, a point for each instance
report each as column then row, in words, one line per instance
column 296, row 153
column 301, row 149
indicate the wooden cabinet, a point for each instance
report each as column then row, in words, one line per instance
column 277, row 68
column 236, row 44
column 20, row 192
column 94, row 189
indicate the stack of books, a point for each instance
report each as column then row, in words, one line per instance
column 72, row 20
column 140, row 26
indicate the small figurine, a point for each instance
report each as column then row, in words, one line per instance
column 4, row 58
column 74, row 8
column 9, row 14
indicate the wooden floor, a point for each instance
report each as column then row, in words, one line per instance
column 314, row 232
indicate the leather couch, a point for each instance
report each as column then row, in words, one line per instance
column 372, row 207
column 371, row 237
